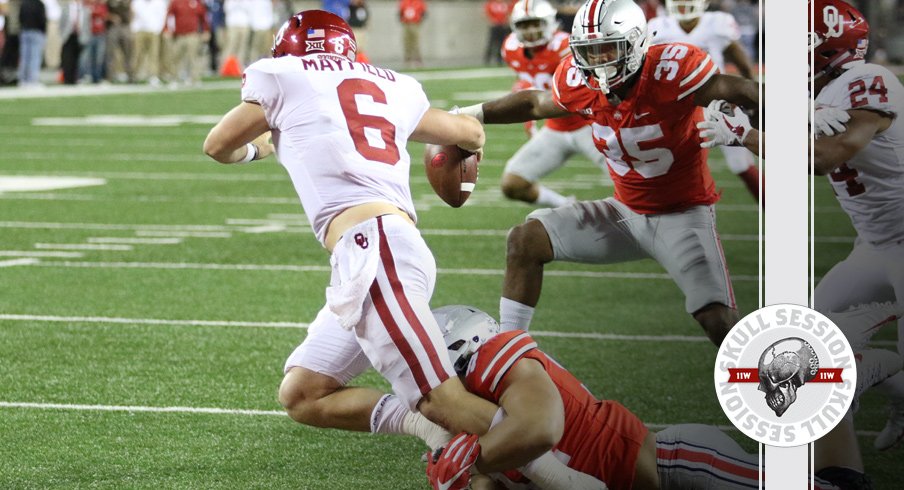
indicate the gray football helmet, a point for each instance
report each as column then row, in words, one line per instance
column 609, row 41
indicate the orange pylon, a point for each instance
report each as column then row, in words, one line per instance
column 231, row 67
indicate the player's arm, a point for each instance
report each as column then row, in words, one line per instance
column 534, row 421
column 739, row 91
column 736, row 55
column 241, row 136
column 832, row 151
column 525, row 105
column 442, row 128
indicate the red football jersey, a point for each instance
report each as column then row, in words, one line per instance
column 538, row 69
column 601, row 438
column 650, row 139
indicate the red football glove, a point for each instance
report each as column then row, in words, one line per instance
column 450, row 467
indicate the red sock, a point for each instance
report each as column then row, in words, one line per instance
column 751, row 179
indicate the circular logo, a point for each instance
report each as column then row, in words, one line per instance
column 785, row 375
column 439, row 160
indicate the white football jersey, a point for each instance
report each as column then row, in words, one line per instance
column 340, row 130
column 870, row 187
column 714, row 32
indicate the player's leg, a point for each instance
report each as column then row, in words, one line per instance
column 404, row 343
column 545, row 152
column 743, row 164
column 687, row 245
column 588, row 231
column 703, row 457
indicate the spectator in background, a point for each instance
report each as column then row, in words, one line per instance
column 497, row 12
column 70, row 52
column 338, row 7
column 53, row 43
column 747, row 14
column 651, row 8
column 33, row 26
column 358, row 15
column 217, row 20
column 148, row 17
column 187, row 27
column 261, row 29
column 566, row 9
column 9, row 58
column 119, row 41
column 94, row 40
column 411, row 13
column 3, row 4
column 238, row 33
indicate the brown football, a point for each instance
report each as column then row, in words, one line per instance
column 452, row 172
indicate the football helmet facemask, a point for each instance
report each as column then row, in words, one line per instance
column 465, row 329
column 609, row 41
column 839, row 37
column 686, row 9
column 533, row 22
column 315, row 31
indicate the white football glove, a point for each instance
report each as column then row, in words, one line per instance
column 829, row 121
column 723, row 125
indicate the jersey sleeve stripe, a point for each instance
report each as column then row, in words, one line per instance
column 699, row 84
column 508, row 364
column 502, row 354
column 688, row 79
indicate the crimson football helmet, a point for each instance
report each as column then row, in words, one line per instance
column 465, row 329
column 609, row 41
column 839, row 37
column 315, row 31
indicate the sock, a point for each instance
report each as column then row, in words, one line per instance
column 417, row 425
column 549, row 198
column 514, row 315
column 388, row 416
column 751, row 179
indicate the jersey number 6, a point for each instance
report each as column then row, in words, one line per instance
column 357, row 122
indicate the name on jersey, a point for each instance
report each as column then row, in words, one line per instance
column 324, row 63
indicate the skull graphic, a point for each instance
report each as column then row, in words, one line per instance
column 784, row 367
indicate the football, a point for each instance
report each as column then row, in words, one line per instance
column 452, row 172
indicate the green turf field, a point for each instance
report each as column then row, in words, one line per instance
column 145, row 315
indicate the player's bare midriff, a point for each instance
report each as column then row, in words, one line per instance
column 358, row 214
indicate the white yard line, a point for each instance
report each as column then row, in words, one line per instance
column 83, row 246
column 320, row 268
column 135, row 241
column 148, row 321
column 18, row 262
column 32, row 253
column 242, row 411
column 184, row 234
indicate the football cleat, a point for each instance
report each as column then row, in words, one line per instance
column 873, row 367
column 859, row 323
column 893, row 432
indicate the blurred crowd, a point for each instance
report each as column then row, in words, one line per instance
column 130, row 41
column 176, row 42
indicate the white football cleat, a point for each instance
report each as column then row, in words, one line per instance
column 859, row 323
column 875, row 366
column 893, row 432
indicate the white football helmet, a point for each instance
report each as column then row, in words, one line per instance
column 533, row 22
column 609, row 41
column 686, row 9
column 465, row 329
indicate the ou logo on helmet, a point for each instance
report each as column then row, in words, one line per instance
column 785, row 375
column 833, row 20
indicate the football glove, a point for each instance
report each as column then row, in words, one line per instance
column 829, row 121
column 449, row 468
column 723, row 125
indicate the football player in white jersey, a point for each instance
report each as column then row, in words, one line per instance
column 865, row 165
column 340, row 127
column 717, row 33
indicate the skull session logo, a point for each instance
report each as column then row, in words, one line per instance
column 785, row 375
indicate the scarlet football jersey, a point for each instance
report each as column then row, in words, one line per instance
column 601, row 438
column 536, row 66
column 650, row 139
